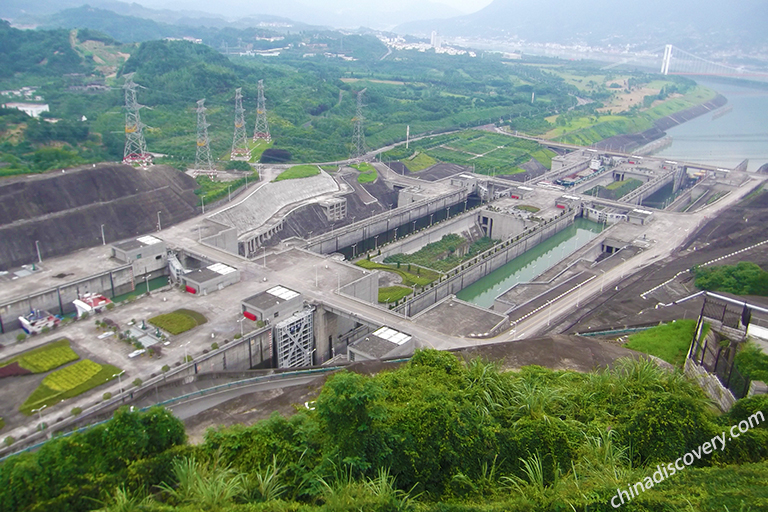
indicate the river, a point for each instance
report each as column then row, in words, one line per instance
column 530, row 264
column 726, row 140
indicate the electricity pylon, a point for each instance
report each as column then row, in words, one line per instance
column 135, row 152
column 358, row 136
column 261, row 131
column 240, row 149
column 203, row 160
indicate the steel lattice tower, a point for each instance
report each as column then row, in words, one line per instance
column 203, row 160
column 262, row 127
column 358, row 137
column 135, row 146
column 240, row 149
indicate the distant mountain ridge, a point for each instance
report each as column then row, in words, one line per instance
column 601, row 22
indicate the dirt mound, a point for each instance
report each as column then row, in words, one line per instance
column 64, row 211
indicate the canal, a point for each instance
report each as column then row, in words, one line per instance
column 531, row 264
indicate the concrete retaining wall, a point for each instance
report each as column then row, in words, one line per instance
column 483, row 264
column 711, row 385
column 58, row 300
column 344, row 237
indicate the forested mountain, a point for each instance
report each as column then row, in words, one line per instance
column 46, row 53
column 651, row 23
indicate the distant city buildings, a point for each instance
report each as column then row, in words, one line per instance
column 435, row 43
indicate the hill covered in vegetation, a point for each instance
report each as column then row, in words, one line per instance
column 437, row 434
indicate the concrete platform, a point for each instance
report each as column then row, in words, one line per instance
column 458, row 318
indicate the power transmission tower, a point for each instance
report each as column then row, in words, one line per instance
column 203, row 160
column 262, row 128
column 358, row 136
column 240, row 149
column 135, row 146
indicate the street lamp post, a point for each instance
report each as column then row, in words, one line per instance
column 159, row 227
column 37, row 246
column 103, row 239
column 202, row 198
column 241, row 326
column 39, row 411
column 376, row 242
column 602, row 282
column 119, row 380
column 354, row 246
column 229, row 191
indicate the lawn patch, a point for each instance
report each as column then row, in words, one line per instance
column 392, row 294
column 68, row 382
column 422, row 278
column 45, row 358
column 179, row 321
column 527, row 208
column 669, row 342
column 298, row 171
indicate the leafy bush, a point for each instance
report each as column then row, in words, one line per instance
column 137, row 382
column 752, row 362
column 745, row 278
column 106, row 396
column 76, row 411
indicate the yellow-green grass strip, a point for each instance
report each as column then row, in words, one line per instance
column 69, row 382
column 45, row 358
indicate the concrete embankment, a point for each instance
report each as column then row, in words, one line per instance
column 66, row 211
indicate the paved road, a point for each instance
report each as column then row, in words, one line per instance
column 196, row 405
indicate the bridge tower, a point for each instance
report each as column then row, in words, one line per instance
column 203, row 160
column 667, row 59
column 261, row 131
column 358, row 136
column 135, row 152
column 240, row 149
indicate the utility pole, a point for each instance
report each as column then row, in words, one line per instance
column 358, row 137
column 135, row 152
column 240, row 149
column 203, row 159
column 261, row 131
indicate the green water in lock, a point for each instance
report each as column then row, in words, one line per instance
column 531, row 263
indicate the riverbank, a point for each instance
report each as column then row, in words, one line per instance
column 628, row 142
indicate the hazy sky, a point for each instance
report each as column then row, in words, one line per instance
column 466, row 6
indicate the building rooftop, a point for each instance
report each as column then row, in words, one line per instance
column 210, row 272
column 275, row 295
column 142, row 241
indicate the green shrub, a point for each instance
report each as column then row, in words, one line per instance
column 106, row 396
column 165, row 368
column 21, row 337
column 752, row 362
column 76, row 411
column 8, row 441
column 137, row 382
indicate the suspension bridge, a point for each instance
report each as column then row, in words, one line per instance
column 676, row 61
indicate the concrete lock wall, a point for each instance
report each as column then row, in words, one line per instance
column 484, row 264
column 366, row 288
column 331, row 333
column 348, row 235
column 224, row 237
column 411, row 244
column 58, row 300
